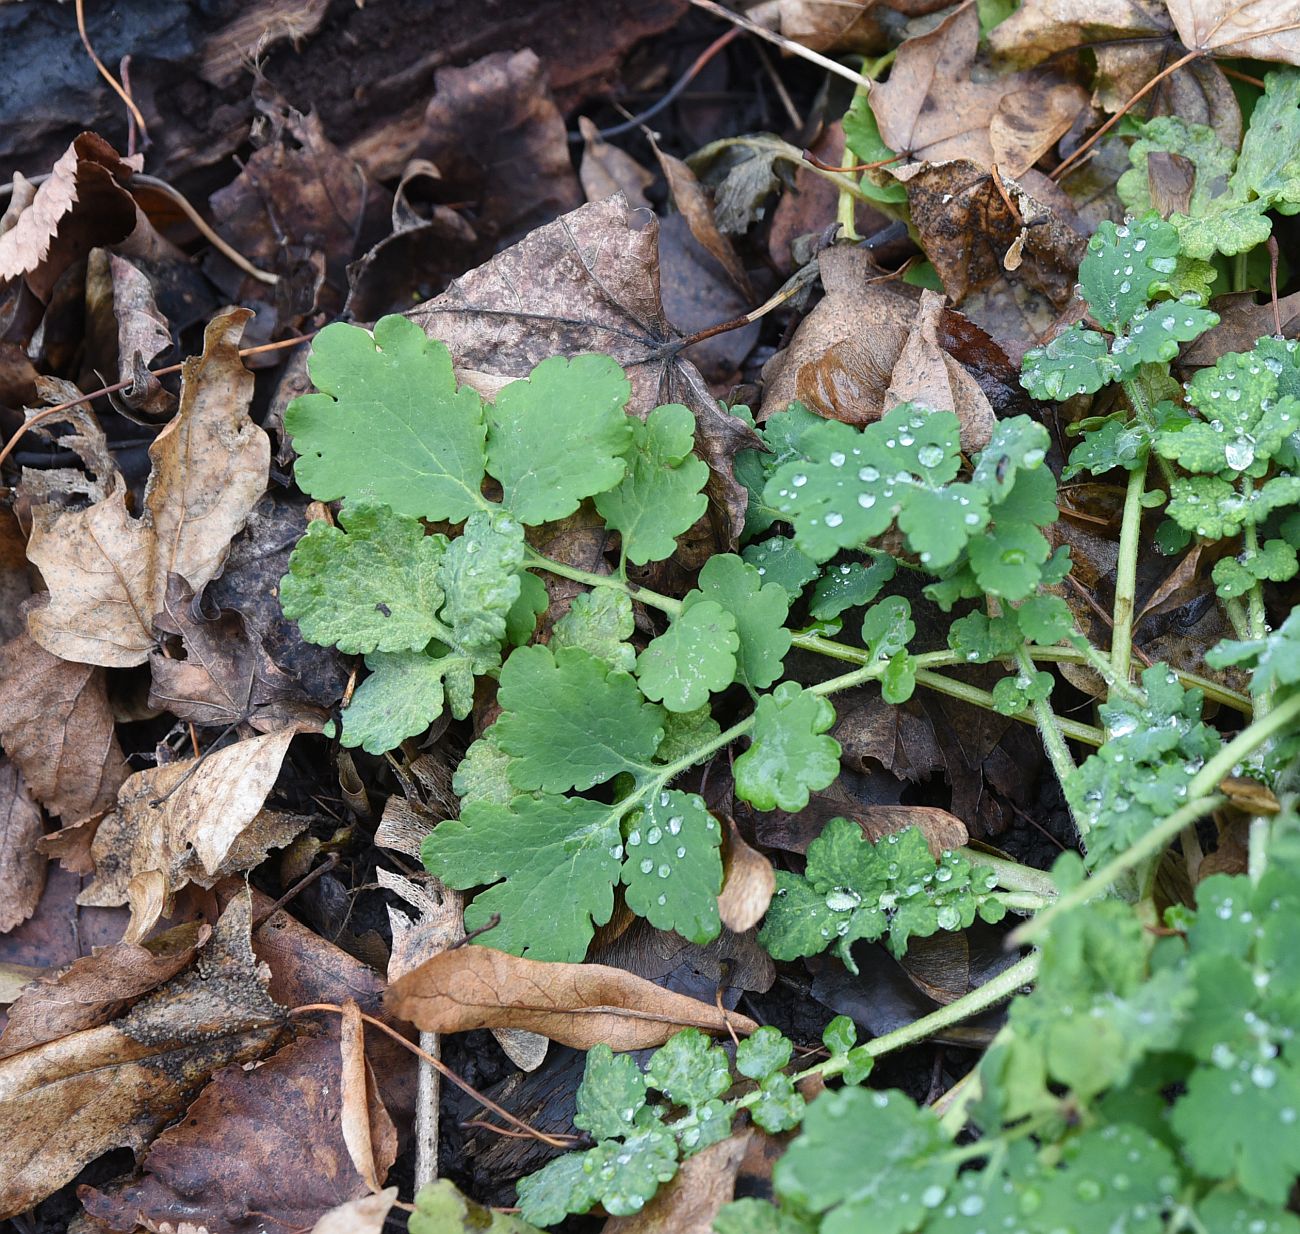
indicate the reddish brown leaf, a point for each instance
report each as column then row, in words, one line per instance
column 22, row 861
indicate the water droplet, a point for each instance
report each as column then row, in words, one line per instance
column 972, row 519
column 930, row 456
column 633, row 839
column 866, row 500
column 837, row 459
column 662, row 901
column 647, row 865
column 1262, row 1076
column 843, row 900
column 617, row 852
column 868, row 474
column 653, row 835
column 665, row 871
column 799, row 481
column 833, row 519
column 1239, row 454
column 675, row 825
column 932, row 1197
column 681, row 851
column 970, row 1205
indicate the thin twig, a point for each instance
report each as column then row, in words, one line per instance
column 106, row 75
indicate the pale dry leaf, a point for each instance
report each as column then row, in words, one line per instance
column 357, row 1096
column 65, row 1102
column 1041, row 28
column 107, row 571
column 691, row 1201
column 1259, row 29
column 575, row 1004
column 22, row 861
column 97, row 988
column 14, row 978
column 928, row 376
column 56, row 724
column 363, row 1216
column 606, row 169
column 748, row 883
column 438, row 922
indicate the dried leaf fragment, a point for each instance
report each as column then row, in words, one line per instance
column 22, row 862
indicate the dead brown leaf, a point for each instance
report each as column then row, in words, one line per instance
column 930, row 110
column 65, row 1102
column 360, row 1102
column 1242, row 323
column 689, row 1203
column 259, row 1148
column 363, row 1216
column 588, row 282
column 606, row 170
column 575, row 1004
column 15, row 586
column 192, row 821
column 56, row 724
column 1041, row 28
column 83, row 204
column 1258, row 29
column 22, row 861
column 749, row 882
column 97, row 988
column 107, row 571
column 860, row 26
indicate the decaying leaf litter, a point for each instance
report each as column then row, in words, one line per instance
column 273, row 854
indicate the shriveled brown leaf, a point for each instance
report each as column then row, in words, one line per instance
column 930, row 109
column 126, row 332
column 15, row 585
column 689, row 1203
column 860, row 26
column 226, row 676
column 65, row 1102
column 107, row 571
column 363, row 1216
column 83, row 204
column 1258, row 29
column 56, row 724
column 1242, row 323
column 606, row 169
column 1041, row 28
column 260, row 1149
column 747, row 886
column 359, row 1101
column 588, row 282
column 60, row 931
column 1198, row 93
column 22, row 861
column 575, row 1004
column 97, row 988
column 208, row 821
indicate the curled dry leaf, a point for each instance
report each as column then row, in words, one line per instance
column 107, row 571
column 363, row 1216
column 83, row 204
column 22, row 862
column 65, row 1102
column 575, row 1004
column 192, row 821
column 1259, row 29
column 359, row 1101
column 689, row 1203
column 97, row 988
column 749, row 882
column 606, row 170
column 588, row 282
column 259, row 1149
column 56, row 724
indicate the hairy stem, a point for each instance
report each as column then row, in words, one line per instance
column 1050, row 729
column 1011, row 874
column 1121, row 640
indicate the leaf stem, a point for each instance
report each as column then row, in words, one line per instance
column 1121, row 639
column 1012, row 875
column 1049, row 728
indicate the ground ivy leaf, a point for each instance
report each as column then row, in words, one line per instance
column 599, row 622
column 760, row 610
column 558, row 857
column 559, row 435
column 480, row 574
column 389, row 423
column 1124, row 264
column 633, row 1171
column 673, row 870
column 611, row 1093
column 1045, row 620
column 850, row 585
column 763, row 1053
column 1076, row 361
column 1011, row 695
column 1008, row 560
column 694, row 657
column 981, row 638
column 368, row 585
column 570, row 721
column 689, row 1069
column 822, row 1169
column 779, row 560
column 403, row 695
column 661, row 496
column 790, row 756
column 799, row 922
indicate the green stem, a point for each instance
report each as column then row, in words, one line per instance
column 1101, row 665
column 1086, row 733
column 1049, row 728
column 1121, row 639
column 1012, row 875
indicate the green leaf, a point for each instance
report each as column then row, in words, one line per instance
column 1124, row 266
column 1154, row 334
column 689, row 1069
column 1197, row 143
column 570, row 721
column 840, row 1035
column 633, row 1172
column 789, row 757
column 389, row 423
column 480, row 574
column 521, row 620
column 694, row 657
column 1076, row 361
column 685, row 732
column 850, row 585
column 536, row 422
column 1274, row 659
column 1045, row 620
column 610, row 1095
column 706, row 1124
column 822, row 1169
column 403, row 695
column 371, row 586
column 599, row 622
column 1008, row 561
column 779, row 560
column 981, row 638
column 441, row 1209
column 779, row 1106
column 484, row 773
column 763, row 1053
column 751, row 1216
column 888, row 627
column 673, row 869
column 661, row 496
column 559, row 859
column 862, row 140
column 1011, row 695
column 1231, row 1212
column 760, row 610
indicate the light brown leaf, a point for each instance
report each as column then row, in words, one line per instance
column 22, row 861
column 748, row 886
column 107, row 571
column 56, row 724
column 260, row 1149
column 65, row 1102
column 575, row 1004
column 1258, row 29
column 606, row 169
column 363, row 1216
column 97, row 988
column 358, row 1098
column 207, row 822
column 689, row 1203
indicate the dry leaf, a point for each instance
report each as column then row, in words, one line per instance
column 65, row 1102
column 192, row 823
column 359, row 1099
column 259, row 1149
column 575, row 1004
column 56, row 724
column 107, row 571
column 588, row 282
column 748, row 884
column 97, row 988
column 363, row 1216
column 15, row 586
column 83, row 204
column 22, row 861
column 689, row 1203
column 930, row 110
column 606, row 170
column 1242, row 323
column 1255, row 29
